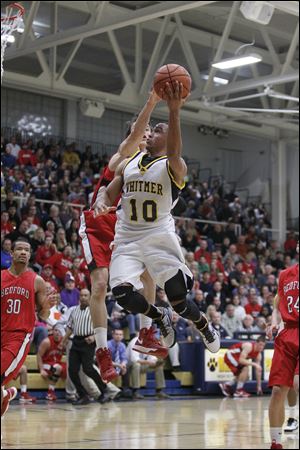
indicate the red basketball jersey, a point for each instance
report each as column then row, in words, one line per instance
column 236, row 349
column 288, row 291
column 54, row 354
column 104, row 224
column 17, row 301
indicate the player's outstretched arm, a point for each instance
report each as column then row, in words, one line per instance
column 131, row 143
column 174, row 142
column 276, row 318
column 107, row 195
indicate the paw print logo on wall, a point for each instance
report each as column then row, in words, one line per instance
column 212, row 364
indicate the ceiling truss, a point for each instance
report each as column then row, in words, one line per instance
column 206, row 102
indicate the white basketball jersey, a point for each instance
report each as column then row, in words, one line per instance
column 149, row 194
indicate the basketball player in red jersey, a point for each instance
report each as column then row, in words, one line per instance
column 285, row 364
column 97, row 234
column 22, row 292
column 238, row 358
column 49, row 358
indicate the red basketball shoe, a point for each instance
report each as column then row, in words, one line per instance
column 240, row 393
column 25, row 398
column 275, row 445
column 148, row 344
column 105, row 364
column 51, row 395
column 8, row 395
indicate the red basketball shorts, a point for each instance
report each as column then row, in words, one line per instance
column 14, row 349
column 233, row 365
column 96, row 236
column 63, row 365
column 285, row 363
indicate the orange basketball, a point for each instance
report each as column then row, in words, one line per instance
column 170, row 73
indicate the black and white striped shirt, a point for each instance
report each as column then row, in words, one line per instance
column 80, row 322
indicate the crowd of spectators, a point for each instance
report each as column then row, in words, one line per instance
column 236, row 276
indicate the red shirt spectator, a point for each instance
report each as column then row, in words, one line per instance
column 47, row 275
column 79, row 276
column 25, row 155
column 44, row 252
column 6, row 225
column 253, row 308
column 290, row 244
column 62, row 263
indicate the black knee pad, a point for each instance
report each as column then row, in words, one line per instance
column 130, row 300
column 177, row 287
column 123, row 295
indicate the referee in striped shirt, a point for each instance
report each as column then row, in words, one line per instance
column 83, row 349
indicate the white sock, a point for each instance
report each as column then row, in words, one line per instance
column 145, row 322
column 292, row 413
column 51, row 387
column 23, row 388
column 275, row 434
column 101, row 337
column 240, row 385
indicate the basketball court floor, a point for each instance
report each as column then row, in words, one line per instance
column 193, row 423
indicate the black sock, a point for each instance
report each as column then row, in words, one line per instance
column 188, row 310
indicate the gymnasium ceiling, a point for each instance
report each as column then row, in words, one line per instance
column 109, row 52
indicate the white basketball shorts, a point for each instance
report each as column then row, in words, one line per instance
column 159, row 253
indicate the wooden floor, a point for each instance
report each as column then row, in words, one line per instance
column 148, row 424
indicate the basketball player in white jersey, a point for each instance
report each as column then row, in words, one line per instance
column 145, row 235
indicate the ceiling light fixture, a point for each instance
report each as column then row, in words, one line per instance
column 217, row 80
column 237, row 61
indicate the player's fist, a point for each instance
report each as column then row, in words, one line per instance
column 271, row 329
column 101, row 209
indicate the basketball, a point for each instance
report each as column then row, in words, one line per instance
column 171, row 73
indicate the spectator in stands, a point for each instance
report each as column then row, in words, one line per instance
column 47, row 275
column 216, row 292
column 139, row 363
column 192, row 332
column 180, row 326
column 229, row 321
column 71, row 158
column 14, row 147
column 260, row 324
column 20, row 232
column 235, row 277
column 81, row 281
column 6, row 258
column 247, row 324
column 240, row 312
column 61, row 263
column 199, row 300
column 60, row 239
column 290, row 244
column 40, row 185
column 216, row 319
column 25, row 157
column 18, row 186
column 252, row 307
column 70, row 294
column 45, row 251
column 6, row 225
column 205, row 285
column 37, row 237
column 49, row 359
column 8, row 159
column 54, row 217
column 203, row 265
column 119, row 356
